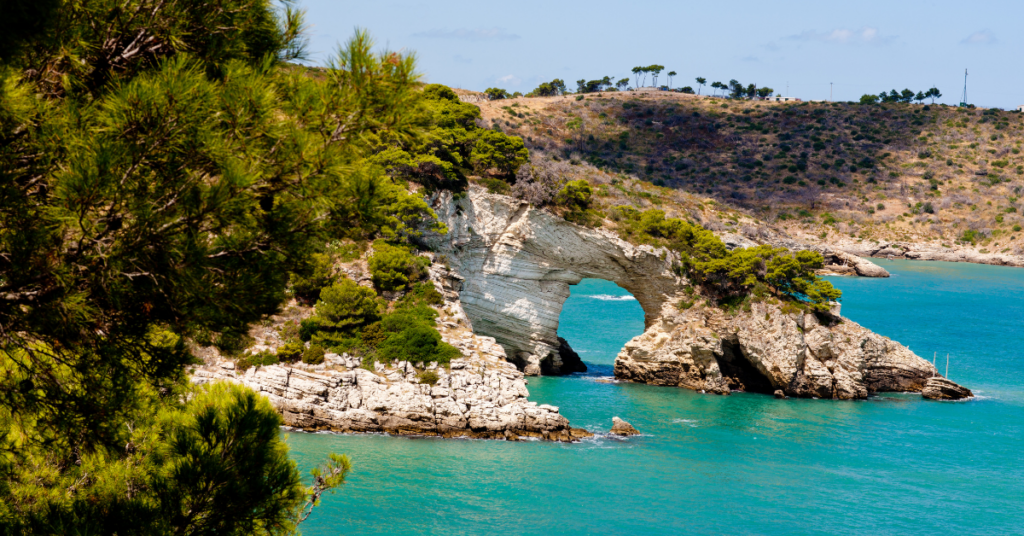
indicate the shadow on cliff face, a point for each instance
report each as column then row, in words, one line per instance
column 739, row 372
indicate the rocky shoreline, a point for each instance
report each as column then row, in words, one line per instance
column 930, row 252
column 504, row 272
column 474, row 398
column 765, row 350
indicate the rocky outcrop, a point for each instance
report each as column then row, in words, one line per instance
column 931, row 252
column 765, row 350
column 838, row 261
column 475, row 397
column 939, row 388
column 514, row 264
column 623, row 428
column 518, row 262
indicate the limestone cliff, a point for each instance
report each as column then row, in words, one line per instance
column 764, row 349
column 518, row 263
column 515, row 263
column 481, row 398
column 479, row 395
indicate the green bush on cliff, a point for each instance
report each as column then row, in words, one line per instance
column 343, row 310
column 728, row 275
column 317, row 274
column 314, row 355
column 392, row 268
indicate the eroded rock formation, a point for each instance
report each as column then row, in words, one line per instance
column 939, row 388
column 515, row 264
column 518, row 263
column 477, row 397
column 765, row 350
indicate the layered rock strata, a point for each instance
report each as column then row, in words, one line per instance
column 765, row 350
column 476, row 397
column 518, row 262
column 939, row 388
column 514, row 265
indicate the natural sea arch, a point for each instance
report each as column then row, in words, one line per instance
column 597, row 320
column 513, row 264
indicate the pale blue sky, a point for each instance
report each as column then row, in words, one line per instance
column 863, row 47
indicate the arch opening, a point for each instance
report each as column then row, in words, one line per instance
column 596, row 321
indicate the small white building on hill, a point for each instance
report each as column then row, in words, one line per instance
column 781, row 99
column 1021, row 108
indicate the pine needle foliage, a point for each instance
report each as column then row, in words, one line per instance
column 724, row 274
column 162, row 171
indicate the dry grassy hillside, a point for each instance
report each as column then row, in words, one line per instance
column 820, row 171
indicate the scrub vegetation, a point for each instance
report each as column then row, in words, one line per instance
column 827, row 172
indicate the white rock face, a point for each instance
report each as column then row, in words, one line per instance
column 478, row 397
column 765, row 350
column 518, row 263
column 515, row 264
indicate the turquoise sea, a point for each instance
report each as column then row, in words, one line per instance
column 738, row 464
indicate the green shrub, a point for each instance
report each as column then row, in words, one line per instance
column 421, row 294
column 732, row 275
column 429, row 377
column 1016, row 228
column 373, row 335
column 575, row 196
column 307, row 328
column 393, row 267
column 504, row 154
column 495, row 186
column 290, row 352
column 319, row 273
column 972, row 236
column 232, row 343
column 261, row 359
column 417, row 344
column 314, row 355
column 345, row 307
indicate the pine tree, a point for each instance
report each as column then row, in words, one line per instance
column 161, row 172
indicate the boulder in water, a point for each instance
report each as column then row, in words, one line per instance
column 939, row 388
column 623, row 428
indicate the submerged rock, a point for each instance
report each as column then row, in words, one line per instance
column 779, row 394
column 623, row 428
column 939, row 388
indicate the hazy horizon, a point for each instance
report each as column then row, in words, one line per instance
column 867, row 48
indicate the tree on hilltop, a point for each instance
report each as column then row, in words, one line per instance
column 765, row 92
column 637, row 73
column 934, row 93
column 670, row 75
column 622, row 84
column 494, row 93
column 655, row 70
column 700, row 83
column 549, row 89
column 736, row 89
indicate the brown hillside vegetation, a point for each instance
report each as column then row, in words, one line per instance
column 821, row 171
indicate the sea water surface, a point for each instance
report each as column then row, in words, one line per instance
column 738, row 464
